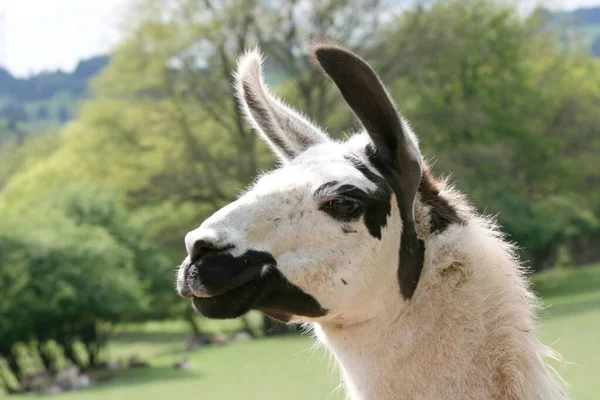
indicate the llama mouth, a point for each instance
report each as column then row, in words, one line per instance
column 270, row 293
column 226, row 287
column 230, row 304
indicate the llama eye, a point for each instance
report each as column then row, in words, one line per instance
column 343, row 208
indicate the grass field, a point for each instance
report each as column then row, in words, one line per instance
column 571, row 324
column 287, row 368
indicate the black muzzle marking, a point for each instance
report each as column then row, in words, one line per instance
column 235, row 285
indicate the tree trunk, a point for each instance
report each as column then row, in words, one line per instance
column 194, row 325
column 69, row 352
column 93, row 342
column 585, row 250
column 46, row 359
column 542, row 258
column 93, row 353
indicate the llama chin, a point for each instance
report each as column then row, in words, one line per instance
column 416, row 295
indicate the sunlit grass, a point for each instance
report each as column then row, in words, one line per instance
column 571, row 323
column 269, row 369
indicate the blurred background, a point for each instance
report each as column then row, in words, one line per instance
column 119, row 134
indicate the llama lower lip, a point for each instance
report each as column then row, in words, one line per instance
column 203, row 295
column 231, row 304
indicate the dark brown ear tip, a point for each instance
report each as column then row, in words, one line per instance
column 325, row 49
column 329, row 58
column 328, row 54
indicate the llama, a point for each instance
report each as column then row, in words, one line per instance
column 415, row 294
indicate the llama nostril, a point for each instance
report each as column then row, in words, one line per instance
column 204, row 248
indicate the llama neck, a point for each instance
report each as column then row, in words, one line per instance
column 468, row 332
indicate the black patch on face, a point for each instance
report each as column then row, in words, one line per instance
column 344, row 282
column 376, row 205
column 237, row 285
column 412, row 249
column 361, row 166
column 350, row 195
column 280, row 299
column 377, row 213
column 224, row 272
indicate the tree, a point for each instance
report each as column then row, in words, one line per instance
column 14, row 113
column 63, row 114
column 76, row 266
column 596, row 46
column 42, row 113
column 17, row 157
column 90, row 67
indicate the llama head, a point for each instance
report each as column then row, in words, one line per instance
column 330, row 232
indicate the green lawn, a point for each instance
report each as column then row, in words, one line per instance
column 571, row 324
column 288, row 368
column 266, row 369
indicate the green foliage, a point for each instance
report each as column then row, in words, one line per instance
column 67, row 269
column 567, row 282
column 71, row 264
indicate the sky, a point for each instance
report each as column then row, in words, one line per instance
column 38, row 35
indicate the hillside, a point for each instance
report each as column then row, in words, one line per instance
column 44, row 100
column 580, row 26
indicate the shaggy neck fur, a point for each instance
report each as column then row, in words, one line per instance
column 468, row 332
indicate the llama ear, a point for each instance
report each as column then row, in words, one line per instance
column 286, row 131
column 396, row 151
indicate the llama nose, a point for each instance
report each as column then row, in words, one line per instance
column 204, row 248
column 205, row 242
